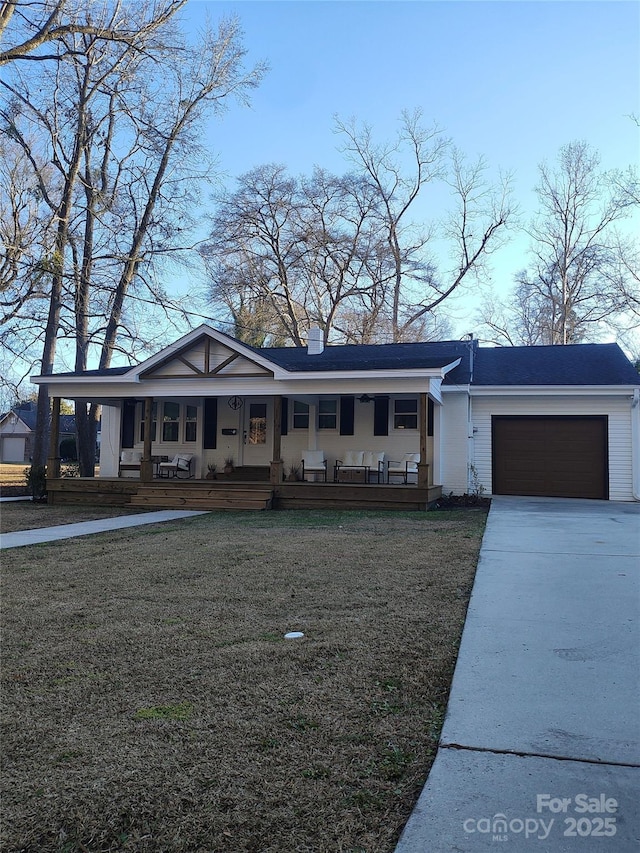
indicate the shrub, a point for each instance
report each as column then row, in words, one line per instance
column 36, row 480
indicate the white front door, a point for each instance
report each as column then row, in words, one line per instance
column 258, row 431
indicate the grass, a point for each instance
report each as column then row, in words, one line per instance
column 151, row 702
column 26, row 515
column 12, row 478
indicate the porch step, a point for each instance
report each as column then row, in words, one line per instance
column 202, row 496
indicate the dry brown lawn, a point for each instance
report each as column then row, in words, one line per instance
column 27, row 515
column 12, row 479
column 151, row 703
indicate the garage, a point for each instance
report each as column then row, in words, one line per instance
column 554, row 456
column 12, row 449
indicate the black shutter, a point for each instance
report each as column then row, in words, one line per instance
column 381, row 416
column 429, row 416
column 346, row 415
column 210, row 428
column 284, row 426
column 128, row 423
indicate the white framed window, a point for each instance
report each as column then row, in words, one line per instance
column 191, row 423
column 178, row 422
column 328, row 414
column 170, row 421
column 300, row 417
column 405, row 414
column 154, row 421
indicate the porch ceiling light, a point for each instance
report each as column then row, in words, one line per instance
column 365, row 398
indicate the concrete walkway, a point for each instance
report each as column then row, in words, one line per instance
column 84, row 528
column 540, row 748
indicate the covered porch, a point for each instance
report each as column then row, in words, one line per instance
column 208, row 406
column 359, row 439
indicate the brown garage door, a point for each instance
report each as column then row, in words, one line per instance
column 562, row 457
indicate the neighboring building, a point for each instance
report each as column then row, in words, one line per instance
column 17, row 428
column 560, row 421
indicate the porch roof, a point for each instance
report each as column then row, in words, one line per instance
column 207, row 361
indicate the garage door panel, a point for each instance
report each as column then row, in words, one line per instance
column 550, row 456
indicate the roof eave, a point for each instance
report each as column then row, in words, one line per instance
column 551, row 390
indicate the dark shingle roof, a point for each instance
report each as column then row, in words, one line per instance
column 105, row 371
column 27, row 412
column 368, row 356
column 576, row 364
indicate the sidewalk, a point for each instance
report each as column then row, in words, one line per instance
column 84, row 528
column 540, row 748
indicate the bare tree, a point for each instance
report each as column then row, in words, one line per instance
column 418, row 286
column 289, row 253
column 573, row 244
column 47, row 24
column 128, row 167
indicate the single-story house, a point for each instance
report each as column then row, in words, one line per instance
column 17, row 428
column 559, row 421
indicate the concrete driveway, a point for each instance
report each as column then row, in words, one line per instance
column 540, row 748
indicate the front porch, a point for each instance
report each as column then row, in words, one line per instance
column 238, row 494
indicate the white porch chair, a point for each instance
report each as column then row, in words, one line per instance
column 405, row 468
column 314, row 462
column 130, row 460
column 352, row 461
column 375, row 465
column 179, row 466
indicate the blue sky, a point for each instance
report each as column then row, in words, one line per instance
column 512, row 81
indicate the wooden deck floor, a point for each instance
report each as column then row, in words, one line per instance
column 218, row 494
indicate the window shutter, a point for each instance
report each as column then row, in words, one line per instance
column 284, row 427
column 128, row 423
column 429, row 416
column 381, row 416
column 210, row 428
column 346, row 415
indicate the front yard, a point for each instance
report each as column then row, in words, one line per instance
column 151, row 702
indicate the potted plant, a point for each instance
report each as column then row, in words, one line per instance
column 211, row 472
column 228, row 465
column 294, row 473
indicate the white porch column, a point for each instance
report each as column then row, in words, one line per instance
column 437, row 445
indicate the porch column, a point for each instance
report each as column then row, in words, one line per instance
column 437, row 445
column 423, row 467
column 146, row 466
column 275, row 473
column 53, row 462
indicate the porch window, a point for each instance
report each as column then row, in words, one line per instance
column 300, row 415
column 170, row 421
column 154, row 419
column 191, row 423
column 405, row 414
column 327, row 414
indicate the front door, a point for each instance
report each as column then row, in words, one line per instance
column 258, row 432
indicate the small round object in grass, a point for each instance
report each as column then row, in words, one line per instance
column 294, row 635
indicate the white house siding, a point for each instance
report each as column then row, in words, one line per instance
column 618, row 410
column 455, row 442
